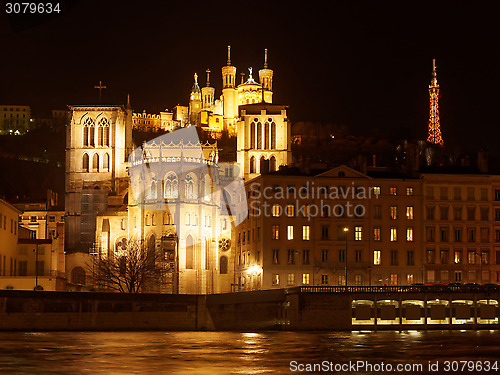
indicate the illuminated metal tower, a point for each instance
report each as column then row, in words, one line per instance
column 434, row 133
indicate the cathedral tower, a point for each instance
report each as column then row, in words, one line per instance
column 266, row 80
column 195, row 102
column 98, row 142
column 264, row 139
column 229, row 92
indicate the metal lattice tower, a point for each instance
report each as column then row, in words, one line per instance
column 434, row 132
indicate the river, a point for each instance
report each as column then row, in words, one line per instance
column 240, row 353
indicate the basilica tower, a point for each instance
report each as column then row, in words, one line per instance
column 208, row 94
column 266, row 80
column 229, row 93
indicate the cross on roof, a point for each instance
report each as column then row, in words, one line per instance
column 100, row 87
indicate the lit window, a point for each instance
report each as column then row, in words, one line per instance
column 458, row 256
column 276, row 279
column 471, row 257
column 394, row 279
column 358, row 233
column 324, row 279
column 290, row 232
column 305, row 278
column 409, row 191
column 276, row 210
column 394, row 234
column 291, row 279
column 394, row 212
column 409, row 279
column 377, row 234
column 305, row 232
column 409, row 212
column 290, row 210
column 305, row 210
column 392, row 191
column 376, row 190
column 409, row 234
column 276, row 232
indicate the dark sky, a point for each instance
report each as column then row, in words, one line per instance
column 363, row 64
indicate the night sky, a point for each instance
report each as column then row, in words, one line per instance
column 365, row 65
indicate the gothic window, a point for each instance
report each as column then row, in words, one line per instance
column 105, row 162
column 95, row 163
column 103, row 132
column 273, row 135
column 85, row 135
column 259, row 135
column 252, row 135
column 153, row 194
column 190, row 188
column 252, row 164
column 92, row 134
column 99, row 135
column 189, row 252
column 85, row 163
column 223, row 265
column 272, row 164
column 171, row 186
column 266, row 136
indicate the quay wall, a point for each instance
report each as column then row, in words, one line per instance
column 300, row 308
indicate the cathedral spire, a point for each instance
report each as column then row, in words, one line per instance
column 265, row 58
column 228, row 55
column 128, row 102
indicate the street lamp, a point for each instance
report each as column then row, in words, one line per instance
column 345, row 255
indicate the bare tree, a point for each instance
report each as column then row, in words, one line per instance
column 133, row 268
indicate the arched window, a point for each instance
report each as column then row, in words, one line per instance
column 88, row 124
column 85, row 163
column 95, row 163
column 188, row 218
column 170, row 186
column 272, row 164
column 104, row 132
column 190, row 187
column 259, row 135
column 99, row 135
column 273, row 135
column 189, row 252
column 85, row 135
column 105, row 162
column 153, row 195
column 223, row 265
column 92, row 135
column 263, row 165
column 252, row 164
column 78, row 276
column 252, row 135
column 266, row 136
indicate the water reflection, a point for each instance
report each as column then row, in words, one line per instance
column 228, row 352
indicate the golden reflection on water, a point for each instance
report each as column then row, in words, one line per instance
column 227, row 352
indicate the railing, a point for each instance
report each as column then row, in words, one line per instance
column 51, row 273
column 396, row 289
